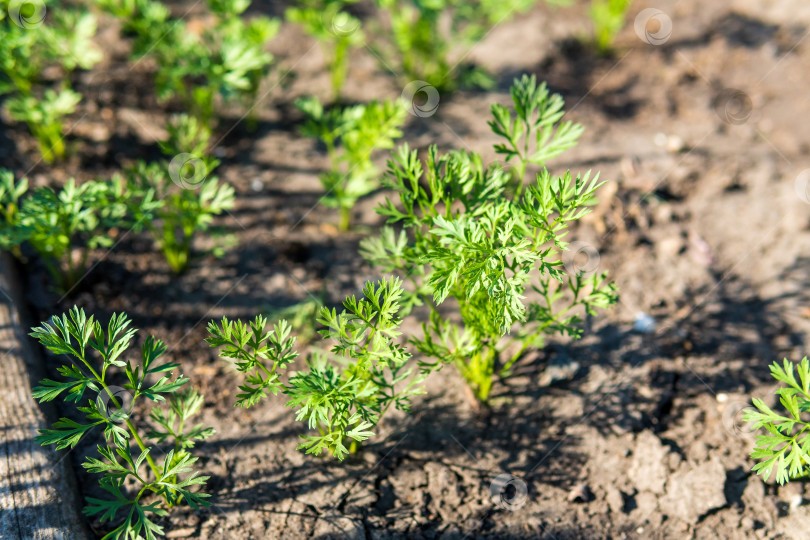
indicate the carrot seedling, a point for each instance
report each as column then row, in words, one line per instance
column 140, row 489
column 351, row 136
column 343, row 395
column 784, row 450
column 472, row 233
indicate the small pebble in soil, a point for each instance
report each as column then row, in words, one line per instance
column 672, row 143
column 644, row 323
column 675, row 144
column 722, row 397
column 181, row 533
column 219, row 152
column 256, row 185
column 561, row 368
column 630, row 166
column 580, row 493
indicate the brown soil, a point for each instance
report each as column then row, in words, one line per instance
column 701, row 227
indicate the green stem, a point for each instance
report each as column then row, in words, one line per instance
column 339, row 67
column 521, row 172
column 179, row 434
column 142, row 446
column 128, row 422
column 478, row 372
column 345, row 218
column 58, row 148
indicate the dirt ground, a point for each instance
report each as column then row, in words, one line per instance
column 624, row 434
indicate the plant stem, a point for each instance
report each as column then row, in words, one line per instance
column 345, row 218
column 142, row 446
column 521, row 172
column 339, row 67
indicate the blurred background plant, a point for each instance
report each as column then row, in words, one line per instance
column 608, row 18
column 338, row 31
column 63, row 226
column 428, row 40
column 219, row 56
column 32, row 43
column 185, row 195
column 351, row 136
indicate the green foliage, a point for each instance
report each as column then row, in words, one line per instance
column 64, row 43
column 464, row 237
column 223, row 56
column 336, row 29
column 63, row 40
column 140, row 488
column 11, row 192
column 184, row 195
column 302, row 317
column 345, row 403
column 532, row 128
column 45, row 118
column 785, row 448
column 62, row 226
column 426, row 40
column 608, row 18
column 351, row 135
column 181, row 213
column 188, row 135
column 342, row 398
column 256, row 352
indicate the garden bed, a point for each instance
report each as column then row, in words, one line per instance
column 632, row 432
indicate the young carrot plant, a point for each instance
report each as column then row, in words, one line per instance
column 785, row 449
column 29, row 47
column 351, row 136
column 63, row 227
column 140, row 488
column 532, row 128
column 11, row 191
column 341, row 398
column 197, row 62
column 425, row 40
column 176, row 201
column 302, row 317
column 607, row 17
column 45, row 118
column 188, row 135
column 336, row 29
column 464, row 237
column 184, row 208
